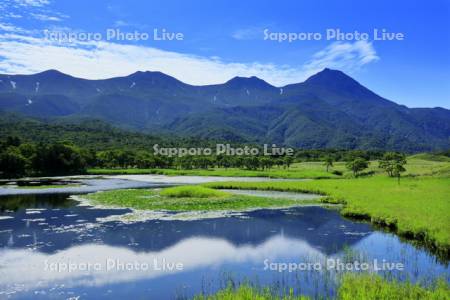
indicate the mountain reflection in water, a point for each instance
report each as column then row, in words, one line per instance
column 38, row 233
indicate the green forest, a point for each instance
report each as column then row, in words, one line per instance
column 30, row 147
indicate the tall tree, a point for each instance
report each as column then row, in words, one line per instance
column 287, row 161
column 393, row 163
column 357, row 165
column 328, row 162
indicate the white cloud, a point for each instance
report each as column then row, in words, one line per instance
column 9, row 27
column 248, row 33
column 43, row 17
column 12, row 15
column 14, row 29
column 33, row 9
column 94, row 60
column 344, row 56
column 121, row 23
column 33, row 3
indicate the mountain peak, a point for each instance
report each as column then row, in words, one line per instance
column 331, row 77
column 149, row 74
column 154, row 76
column 52, row 73
column 341, row 84
column 252, row 81
column 143, row 74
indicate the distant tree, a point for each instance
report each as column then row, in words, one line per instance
column 202, row 162
column 357, row 165
column 12, row 163
column 106, row 159
column 398, row 169
column 144, row 159
column 125, row 158
column 27, row 150
column 58, row 159
column 278, row 161
column 251, row 162
column 224, row 161
column 393, row 163
column 164, row 161
column 185, row 162
column 238, row 161
column 266, row 162
column 89, row 156
column 287, row 161
column 328, row 162
column 354, row 154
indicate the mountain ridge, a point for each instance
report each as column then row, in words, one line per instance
column 329, row 109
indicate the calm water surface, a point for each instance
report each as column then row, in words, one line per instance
column 50, row 247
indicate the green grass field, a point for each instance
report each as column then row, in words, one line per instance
column 352, row 287
column 419, row 165
column 297, row 171
column 189, row 191
column 368, row 287
column 247, row 292
column 416, row 208
column 187, row 198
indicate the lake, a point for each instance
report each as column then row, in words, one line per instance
column 53, row 247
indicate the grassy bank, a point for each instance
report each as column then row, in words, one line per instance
column 189, row 191
column 292, row 173
column 417, row 208
column 416, row 166
column 364, row 287
column 374, row 287
column 187, row 198
column 246, row 292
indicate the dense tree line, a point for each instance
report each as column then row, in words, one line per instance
column 62, row 147
column 98, row 135
column 19, row 158
column 337, row 154
column 24, row 158
column 92, row 134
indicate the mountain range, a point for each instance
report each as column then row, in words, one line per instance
column 328, row 110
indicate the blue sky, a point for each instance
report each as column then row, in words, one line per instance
column 222, row 39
